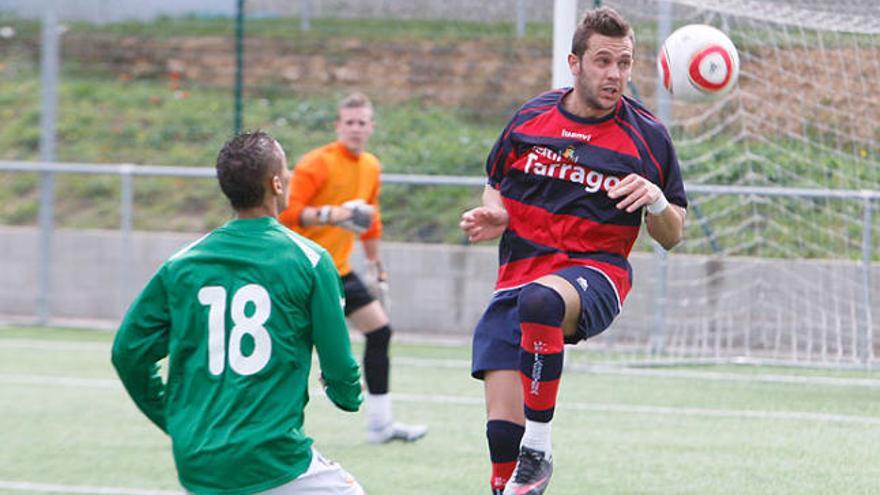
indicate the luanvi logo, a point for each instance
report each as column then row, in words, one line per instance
column 577, row 135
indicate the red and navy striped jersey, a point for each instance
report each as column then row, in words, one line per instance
column 553, row 170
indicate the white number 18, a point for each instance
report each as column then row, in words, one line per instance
column 215, row 297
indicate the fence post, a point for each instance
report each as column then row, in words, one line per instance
column 866, row 344
column 48, row 118
column 520, row 18
column 125, row 224
column 239, row 66
column 46, row 218
column 305, row 15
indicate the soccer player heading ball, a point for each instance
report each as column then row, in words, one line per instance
column 237, row 314
column 569, row 181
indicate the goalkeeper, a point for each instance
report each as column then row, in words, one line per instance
column 334, row 197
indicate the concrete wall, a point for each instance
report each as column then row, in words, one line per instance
column 434, row 288
column 785, row 308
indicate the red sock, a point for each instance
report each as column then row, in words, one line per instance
column 501, row 472
column 504, row 438
column 541, row 311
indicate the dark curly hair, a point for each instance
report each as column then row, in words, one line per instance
column 243, row 165
column 605, row 21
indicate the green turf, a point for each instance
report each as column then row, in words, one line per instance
column 614, row 434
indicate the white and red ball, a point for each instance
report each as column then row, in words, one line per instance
column 698, row 63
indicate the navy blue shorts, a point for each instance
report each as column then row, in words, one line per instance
column 497, row 335
column 356, row 293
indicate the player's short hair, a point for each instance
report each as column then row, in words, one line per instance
column 605, row 21
column 243, row 165
column 354, row 100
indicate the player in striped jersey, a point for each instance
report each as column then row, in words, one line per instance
column 237, row 314
column 568, row 182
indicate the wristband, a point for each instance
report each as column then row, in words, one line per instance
column 324, row 214
column 657, row 207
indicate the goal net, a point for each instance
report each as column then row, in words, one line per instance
column 767, row 271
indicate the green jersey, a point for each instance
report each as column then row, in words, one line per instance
column 237, row 314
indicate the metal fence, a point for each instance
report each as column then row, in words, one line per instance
column 683, row 305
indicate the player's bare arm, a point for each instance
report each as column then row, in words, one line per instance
column 487, row 221
column 666, row 223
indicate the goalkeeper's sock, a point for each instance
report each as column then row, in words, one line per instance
column 541, row 311
column 504, row 438
column 376, row 370
column 379, row 414
column 377, row 366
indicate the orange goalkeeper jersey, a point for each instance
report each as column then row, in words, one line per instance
column 332, row 175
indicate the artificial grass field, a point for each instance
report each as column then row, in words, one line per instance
column 68, row 427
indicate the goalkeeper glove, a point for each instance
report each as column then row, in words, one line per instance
column 377, row 283
column 361, row 216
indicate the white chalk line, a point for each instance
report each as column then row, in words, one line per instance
column 26, row 486
column 14, row 379
column 599, row 369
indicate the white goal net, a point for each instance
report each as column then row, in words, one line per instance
column 783, row 264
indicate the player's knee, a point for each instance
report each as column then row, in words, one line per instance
column 540, row 304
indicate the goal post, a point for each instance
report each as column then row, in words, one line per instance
column 565, row 18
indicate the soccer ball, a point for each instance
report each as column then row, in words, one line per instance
column 698, row 63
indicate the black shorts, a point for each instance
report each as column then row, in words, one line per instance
column 497, row 336
column 356, row 293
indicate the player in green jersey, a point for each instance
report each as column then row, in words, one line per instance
column 237, row 314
